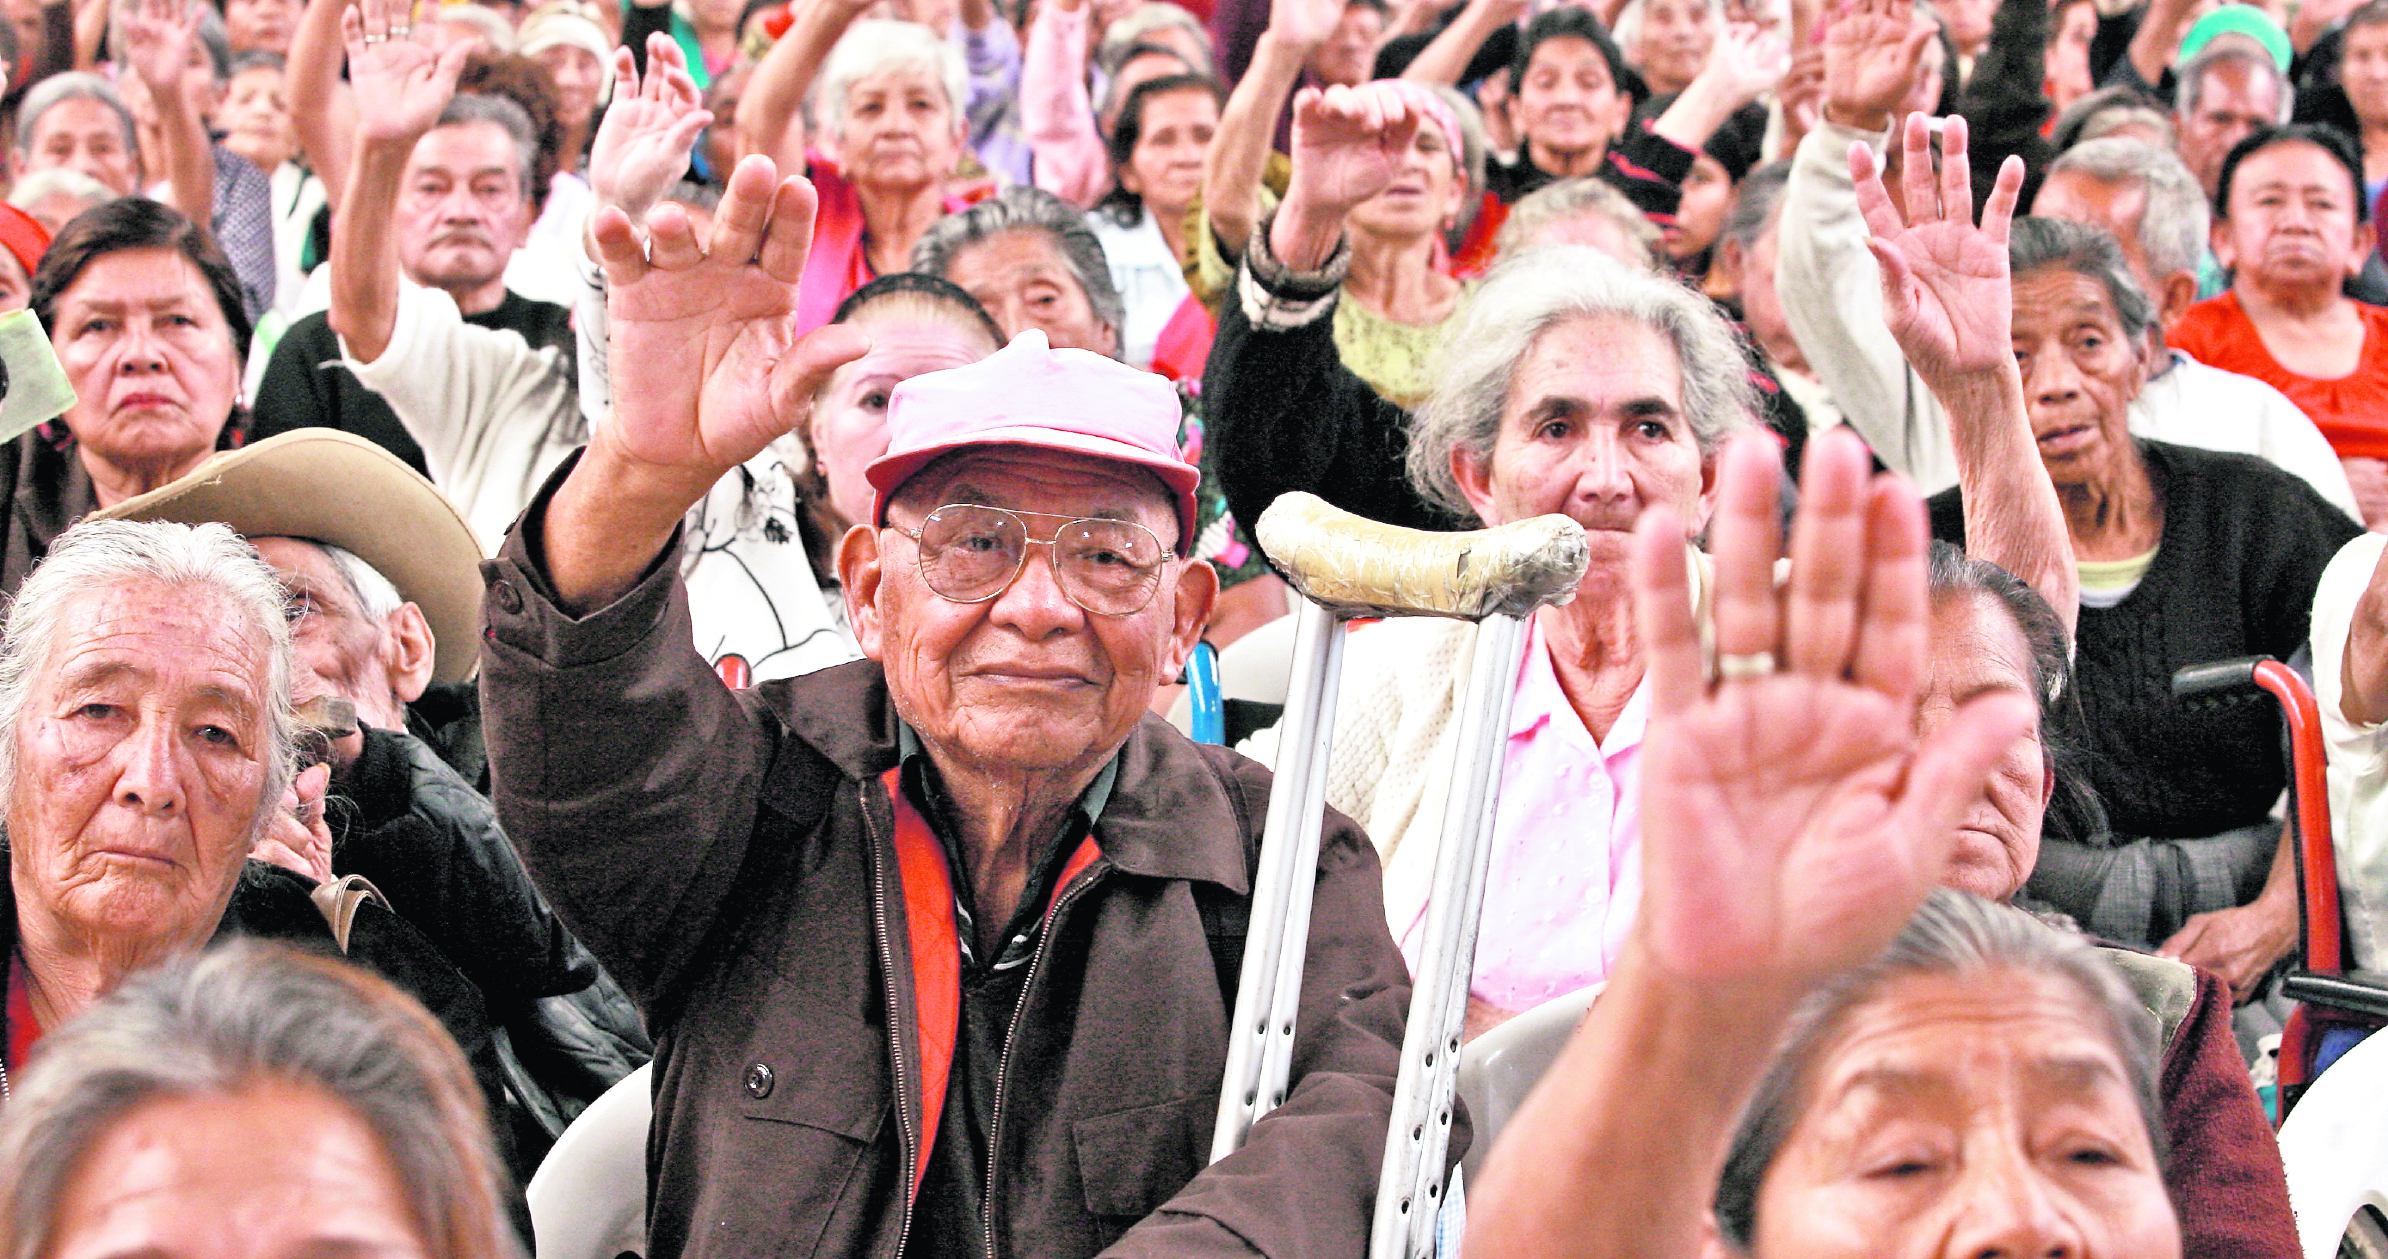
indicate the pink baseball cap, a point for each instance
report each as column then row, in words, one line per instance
column 1030, row 394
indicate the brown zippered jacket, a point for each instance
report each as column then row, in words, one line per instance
column 729, row 857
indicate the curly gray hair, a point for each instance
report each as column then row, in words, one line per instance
column 1526, row 296
column 1025, row 209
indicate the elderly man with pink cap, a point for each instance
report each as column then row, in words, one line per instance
column 938, row 947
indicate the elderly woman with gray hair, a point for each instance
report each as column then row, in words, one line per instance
column 147, row 748
column 1030, row 259
column 203, row 1100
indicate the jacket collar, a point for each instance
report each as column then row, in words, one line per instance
column 1170, row 815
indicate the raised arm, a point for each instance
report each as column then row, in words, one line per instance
column 1247, row 127
column 158, row 35
column 1348, row 143
column 1790, row 826
column 1947, row 298
column 1743, row 63
column 2159, row 37
column 1068, row 156
column 776, row 92
column 648, row 130
column 322, row 110
column 1447, row 57
column 409, row 84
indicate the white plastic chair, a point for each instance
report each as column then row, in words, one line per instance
column 1498, row 1069
column 589, row 1196
column 2335, row 1148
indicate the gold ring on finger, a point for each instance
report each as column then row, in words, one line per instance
column 1742, row 667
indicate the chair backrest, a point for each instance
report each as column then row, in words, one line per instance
column 2334, row 1147
column 1498, row 1069
column 589, row 1196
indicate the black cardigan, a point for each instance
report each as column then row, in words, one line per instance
column 2243, row 546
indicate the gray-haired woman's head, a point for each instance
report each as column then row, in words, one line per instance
column 244, row 1016
column 1954, row 936
column 1035, row 212
column 1580, row 211
column 873, row 45
column 1525, row 297
column 2037, row 244
column 208, row 564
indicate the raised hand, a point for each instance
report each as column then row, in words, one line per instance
column 1873, row 53
column 1790, row 820
column 1305, row 23
column 706, row 367
column 400, row 83
column 158, row 36
column 643, row 142
column 1945, row 289
column 1746, row 60
column 1348, row 143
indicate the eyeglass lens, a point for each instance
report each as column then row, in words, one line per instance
column 970, row 553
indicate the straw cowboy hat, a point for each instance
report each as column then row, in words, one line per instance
column 335, row 487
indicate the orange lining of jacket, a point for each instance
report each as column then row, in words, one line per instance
column 937, row 951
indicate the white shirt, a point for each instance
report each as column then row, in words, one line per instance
column 1151, row 282
column 2358, row 758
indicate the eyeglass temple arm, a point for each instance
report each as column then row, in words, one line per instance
column 1358, row 567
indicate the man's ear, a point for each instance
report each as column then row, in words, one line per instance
column 408, row 648
column 861, row 567
column 2174, row 296
column 1197, row 593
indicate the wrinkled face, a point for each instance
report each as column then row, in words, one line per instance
column 255, row 116
column 140, row 766
column 2080, row 372
column 82, row 134
column 2291, row 219
column 898, row 131
column 2069, row 54
column 1174, row 132
column 2236, row 99
column 16, row 288
column 1675, row 38
column 849, row 420
column 579, row 77
column 1968, row 21
column 151, row 359
column 260, row 25
column 1425, row 195
column 1027, row 680
column 1567, row 102
column 1024, row 282
column 463, row 209
column 1956, row 1117
column 339, row 650
column 1707, row 193
column 1593, row 428
column 1977, row 649
column 2363, row 72
column 270, row 1170
column 2116, row 205
column 1349, row 55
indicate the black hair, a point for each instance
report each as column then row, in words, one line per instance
column 1570, row 22
column 932, row 289
column 2329, row 140
column 1123, row 206
column 136, row 223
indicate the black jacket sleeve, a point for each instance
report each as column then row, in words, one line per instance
column 1285, row 414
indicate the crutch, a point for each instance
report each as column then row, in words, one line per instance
column 1350, row 567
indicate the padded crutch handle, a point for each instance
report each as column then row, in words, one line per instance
column 1355, row 566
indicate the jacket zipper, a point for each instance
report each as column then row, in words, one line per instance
column 1003, row 1063
column 905, row 1123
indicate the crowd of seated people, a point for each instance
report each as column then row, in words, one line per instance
column 581, row 533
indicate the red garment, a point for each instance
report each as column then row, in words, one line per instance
column 839, row 263
column 1185, row 341
column 2226, row 1181
column 1475, row 256
column 23, row 1028
column 2351, row 411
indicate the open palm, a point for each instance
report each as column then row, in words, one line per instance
column 1791, row 819
column 1348, row 143
column 1872, row 50
column 643, row 143
column 1945, row 286
column 406, row 82
column 157, row 42
column 706, row 366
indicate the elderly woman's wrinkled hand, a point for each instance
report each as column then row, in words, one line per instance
column 643, row 143
column 1791, row 821
column 297, row 839
column 1348, row 144
column 1945, row 287
column 706, row 367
